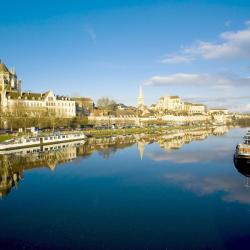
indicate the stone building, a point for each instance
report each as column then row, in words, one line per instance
column 8, row 79
column 84, row 105
column 59, row 106
column 172, row 103
column 175, row 104
column 13, row 99
column 194, row 108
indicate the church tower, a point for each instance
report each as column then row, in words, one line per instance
column 8, row 79
column 140, row 99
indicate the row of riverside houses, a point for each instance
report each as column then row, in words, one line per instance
column 12, row 98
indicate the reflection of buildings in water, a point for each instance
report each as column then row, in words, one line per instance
column 220, row 130
column 176, row 141
column 108, row 146
column 62, row 156
column 9, row 176
column 12, row 166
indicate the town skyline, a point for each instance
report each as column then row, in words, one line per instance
column 85, row 50
column 13, row 96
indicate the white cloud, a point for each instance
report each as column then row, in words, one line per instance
column 247, row 23
column 91, row 32
column 174, row 59
column 234, row 103
column 222, row 90
column 211, row 80
column 178, row 78
column 178, row 157
column 232, row 45
column 231, row 188
column 208, row 50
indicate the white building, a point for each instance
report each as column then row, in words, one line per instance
column 11, row 98
column 193, row 108
column 172, row 103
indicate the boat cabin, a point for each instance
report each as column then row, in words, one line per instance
column 247, row 138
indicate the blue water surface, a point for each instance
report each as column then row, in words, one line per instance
column 143, row 196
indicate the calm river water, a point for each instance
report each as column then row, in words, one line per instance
column 178, row 191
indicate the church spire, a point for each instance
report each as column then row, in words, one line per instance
column 140, row 99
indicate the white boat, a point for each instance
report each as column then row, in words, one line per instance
column 24, row 142
column 243, row 149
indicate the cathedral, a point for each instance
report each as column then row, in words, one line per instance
column 8, row 79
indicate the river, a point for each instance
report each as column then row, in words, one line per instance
column 179, row 191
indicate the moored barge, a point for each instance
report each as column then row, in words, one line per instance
column 24, row 142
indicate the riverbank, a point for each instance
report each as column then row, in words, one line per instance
column 105, row 133
column 129, row 131
column 5, row 137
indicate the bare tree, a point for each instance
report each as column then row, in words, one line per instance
column 53, row 119
column 106, row 103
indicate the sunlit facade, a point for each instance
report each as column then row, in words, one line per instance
column 13, row 99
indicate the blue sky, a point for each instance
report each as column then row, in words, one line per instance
column 199, row 50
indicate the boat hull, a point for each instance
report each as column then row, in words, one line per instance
column 242, row 164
